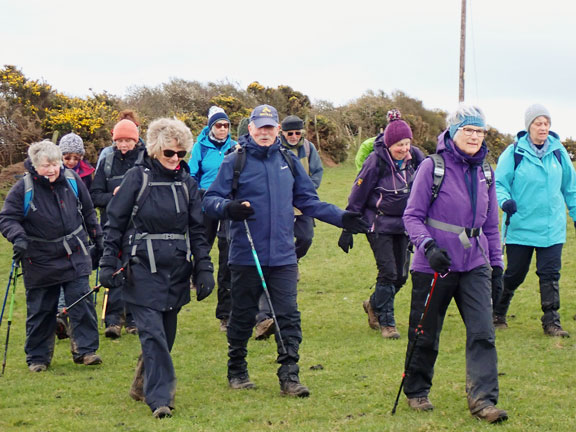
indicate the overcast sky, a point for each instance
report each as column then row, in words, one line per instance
column 518, row 51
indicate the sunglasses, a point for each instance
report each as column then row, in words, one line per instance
column 170, row 153
column 222, row 125
column 297, row 133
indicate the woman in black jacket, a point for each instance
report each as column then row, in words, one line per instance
column 49, row 217
column 155, row 228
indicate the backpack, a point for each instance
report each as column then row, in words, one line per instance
column 520, row 155
column 241, row 161
column 29, row 191
column 440, row 170
column 109, row 161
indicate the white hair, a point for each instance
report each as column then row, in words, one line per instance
column 463, row 111
column 44, row 151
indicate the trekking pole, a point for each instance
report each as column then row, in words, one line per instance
column 506, row 225
column 259, row 268
column 418, row 332
column 96, row 292
column 16, row 265
column 105, row 304
column 7, row 290
column 66, row 309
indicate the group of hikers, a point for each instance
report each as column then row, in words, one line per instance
column 160, row 216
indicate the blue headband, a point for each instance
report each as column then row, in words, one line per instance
column 467, row 121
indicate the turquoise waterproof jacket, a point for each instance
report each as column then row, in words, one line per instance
column 541, row 187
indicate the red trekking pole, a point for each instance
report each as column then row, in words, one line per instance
column 419, row 330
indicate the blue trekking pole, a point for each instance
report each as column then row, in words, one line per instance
column 7, row 289
column 16, row 265
column 257, row 261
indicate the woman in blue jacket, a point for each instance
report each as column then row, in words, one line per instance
column 535, row 181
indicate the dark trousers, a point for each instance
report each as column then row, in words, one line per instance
column 303, row 234
column 42, row 307
column 548, row 265
column 116, row 311
column 216, row 228
column 157, row 332
column 392, row 260
column 472, row 293
column 246, row 292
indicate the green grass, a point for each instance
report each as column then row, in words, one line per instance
column 354, row 391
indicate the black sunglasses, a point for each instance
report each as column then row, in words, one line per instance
column 169, row 153
column 297, row 133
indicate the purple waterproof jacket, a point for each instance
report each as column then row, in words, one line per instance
column 380, row 191
column 464, row 200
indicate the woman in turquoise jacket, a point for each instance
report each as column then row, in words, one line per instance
column 535, row 181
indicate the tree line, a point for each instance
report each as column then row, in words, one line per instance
column 31, row 110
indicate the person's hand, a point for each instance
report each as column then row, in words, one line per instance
column 438, row 258
column 353, row 222
column 204, row 284
column 346, row 241
column 19, row 248
column 509, row 207
column 239, row 210
column 109, row 266
column 115, row 190
column 96, row 251
column 497, row 284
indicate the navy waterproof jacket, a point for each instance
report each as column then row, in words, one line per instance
column 268, row 184
column 169, row 287
column 57, row 215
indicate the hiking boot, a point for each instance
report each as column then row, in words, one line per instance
column 113, row 331
column 224, row 325
column 291, row 387
column 131, row 329
column 264, row 329
column 37, row 367
column 420, row 404
column 372, row 318
column 62, row 331
column 162, row 412
column 240, row 383
column 499, row 322
column 89, row 359
column 390, row 332
column 555, row 330
column 491, row 414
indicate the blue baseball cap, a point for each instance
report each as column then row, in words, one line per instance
column 264, row 115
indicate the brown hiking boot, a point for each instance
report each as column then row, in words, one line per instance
column 294, row 388
column 491, row 414
column 555, row 331
column 372, row 318
column 113, row 331
column 420, row 404
column 162, row 412
column 240, row 383
column 131, row 329
column 37, row 367
column 390, row 332
column 89, row 359
column 224, row 325
column 499, row 322
column 264, row 329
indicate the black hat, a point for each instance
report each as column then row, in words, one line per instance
column 292, row 123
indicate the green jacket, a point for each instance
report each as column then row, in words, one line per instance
column 365, row 149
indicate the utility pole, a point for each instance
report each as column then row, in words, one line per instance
column 462, row 51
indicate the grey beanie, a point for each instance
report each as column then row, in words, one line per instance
column 72, row 143
column 535, row 111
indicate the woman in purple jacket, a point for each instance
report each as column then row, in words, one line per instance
column 456, row 237
column 380, row 193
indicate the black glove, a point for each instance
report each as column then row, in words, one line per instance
column 438, row 258
column 353, row 222
column 238, row 211
column 509, row 207
column 109, row 265
column 96, row 252
column 346, row 241
column 497, row 284
column 20, row 247
column 204, row 284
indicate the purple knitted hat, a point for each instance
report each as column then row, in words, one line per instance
column 397, row 128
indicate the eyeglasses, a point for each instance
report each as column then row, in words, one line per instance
column 297, row 133
column 469, row 132
column 170, row 153
column 222, row 125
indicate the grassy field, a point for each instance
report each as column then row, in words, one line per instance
column 354, row 390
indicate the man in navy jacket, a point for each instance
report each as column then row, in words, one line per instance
column 268, row 189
